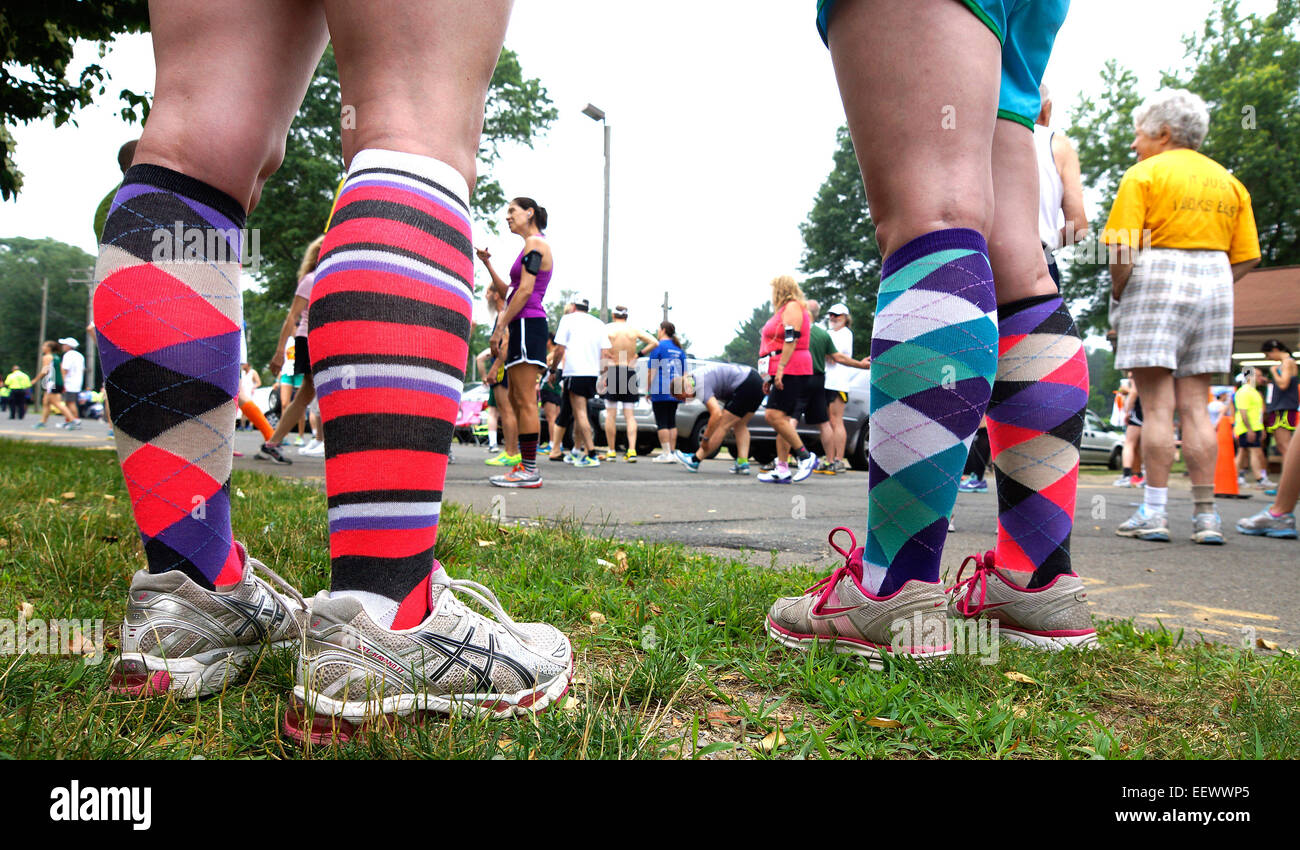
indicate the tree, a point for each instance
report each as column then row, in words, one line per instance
column 1103, row 379
column 23, row 262
column 1248, row 72
column 841, row 256
column 744, row 348
column 37, row 41
column 296, row 200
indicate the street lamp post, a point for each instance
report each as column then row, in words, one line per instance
column 596, row 114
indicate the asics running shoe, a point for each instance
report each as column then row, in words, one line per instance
column 270, row 451
column 1267, row 524
column 739, row 468
column 665, row 457
column 839, row 611
column 1054, row 616
column 518, row 477
column 1207, row 528
column 630, row 456
column 353, row 673
column 184, row 639
column 687, row 461
column 1146, row 526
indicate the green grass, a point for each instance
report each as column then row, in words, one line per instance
column 681, row 639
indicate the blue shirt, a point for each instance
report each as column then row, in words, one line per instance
column 669, row 362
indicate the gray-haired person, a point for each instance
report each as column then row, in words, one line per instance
column 1181, row 232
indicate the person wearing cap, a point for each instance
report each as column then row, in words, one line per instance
column 74, row 373
column 839, row 378
column 618, row 360
column 579, row 339
column 1282, row 403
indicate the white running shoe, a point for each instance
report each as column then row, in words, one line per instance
column 353, row 673
column 318, row 450
column 665, row 457
column 184, row 639
column 311, row 445
column 1052, row 617
column 805, row 467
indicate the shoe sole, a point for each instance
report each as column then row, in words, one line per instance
column 1209, row 538
column 873, row 654
column 776, row 481
column 323, row 720
column 533, row 485
column 140, row 675
column 1277, row 535
column 1047, row 641
column 1161, row 536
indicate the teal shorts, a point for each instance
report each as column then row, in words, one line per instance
column 294, row 381
column 1026, row 29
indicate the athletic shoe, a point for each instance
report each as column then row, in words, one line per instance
column 1052, row 617
column 586, row 462
column 269, row 451
column 1137, row 481
column 840, row 611
column 824, row 469
column 665, row 457
column 353, row 673
column 1261, row 484
column 973, row 485
column 610, row 456
column 1123, row 481
column 739, row 468
column 110, row 432
column 518, row 477
column 1265, row 524
column 777, row 476
column 1270, row 492
column 570, row 456
column 1145, row 526
column 687, row 461
column 767, row 467
column 237, row 453
column 544, row 448
column 504, row 459
column 318, row 450
column 805, row 467
column 1208, row 528
column 630, row 456
column 311, row 444
column 75, row 425
column 841, row 466
column 562, row 457
column 39, row 425
column 189, row 641
column 297, row 441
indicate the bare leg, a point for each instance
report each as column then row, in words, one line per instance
column 523, row 398
column 742, row 436
column 828, row 439
column 1288, row 488
column 629, row 416
column 509, row 424
column 1200, row 446
column 785, row 429
column 611, row 425
column 1156, row 387
column 294, row 412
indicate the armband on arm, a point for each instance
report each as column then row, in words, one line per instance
column 533, row 262
column 792, row 333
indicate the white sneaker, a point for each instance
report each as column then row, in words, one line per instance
column 665, row 457
column 311, row 444
column 805, row 467
column 317, row 449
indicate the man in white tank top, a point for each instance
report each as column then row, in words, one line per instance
column 1061, row 216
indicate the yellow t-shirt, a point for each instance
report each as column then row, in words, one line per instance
column 1250, row 410
column 1186, row 200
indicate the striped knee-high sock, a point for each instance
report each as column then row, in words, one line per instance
column 933, row 356
column 388, row 331
column 1035, row 424
column 168, row 316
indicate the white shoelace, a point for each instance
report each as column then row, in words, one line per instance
column 482, row 595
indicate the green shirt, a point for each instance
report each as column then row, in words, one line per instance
column 101, row 213
column 819, row 345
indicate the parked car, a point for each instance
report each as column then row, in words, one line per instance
column 1101, row 443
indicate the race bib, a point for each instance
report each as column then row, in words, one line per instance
column 763, row 364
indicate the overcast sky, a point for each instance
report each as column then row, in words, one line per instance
column 723, row 118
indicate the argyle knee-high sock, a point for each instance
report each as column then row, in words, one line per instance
column 933, row 357
column 168, row 316
column 388, row 331
column 1035, row 424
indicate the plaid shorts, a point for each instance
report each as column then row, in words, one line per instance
column 1176, row 313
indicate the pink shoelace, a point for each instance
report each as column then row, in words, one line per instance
column 980, row 579
column 824, row 586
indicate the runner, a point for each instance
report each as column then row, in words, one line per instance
column 74, row 375
column 1131, row 422
column 492, row 362
column 579, row 339
column 295, row 326
column 667, row 362
column 621, row 391
column 1248, row 426
column 520, row 334
column 1278, row 519
column 1282, row 408
column 840, row 368
column 1062, row 218
column 741, row 389
column 552, row 395
column 935, row 191
column 390, row 318
column 50, row 378
column 784, row 357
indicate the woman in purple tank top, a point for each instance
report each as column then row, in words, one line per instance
column 521, row 330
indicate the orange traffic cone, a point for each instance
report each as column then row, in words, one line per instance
column 1225, row 467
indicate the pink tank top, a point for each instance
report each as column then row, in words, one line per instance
column 774, row 340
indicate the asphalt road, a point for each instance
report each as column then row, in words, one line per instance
column 1216, row 592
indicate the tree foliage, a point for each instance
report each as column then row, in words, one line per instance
column 841, row 256
column 23, row 262
column 37, row 41
column 744, row 347
column 1248, row 71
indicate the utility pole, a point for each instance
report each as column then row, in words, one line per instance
column 597, row 114
column 40, row 341
column 89, row 282
column 666, row 307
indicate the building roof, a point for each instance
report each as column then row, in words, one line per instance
column 1268, row 298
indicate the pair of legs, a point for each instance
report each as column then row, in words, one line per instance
column 290, row 418
column 728, row 421
column 296, row 412
column 523, row 409
column 18, row 404
column 53, row 402
column 505, row 413
column 835, row 446
column 583, row 436
column 612, row 410
column 552, row 411
column 1162, row 394
column 787, row 437
column 1251, row 455
column 1132, row 451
